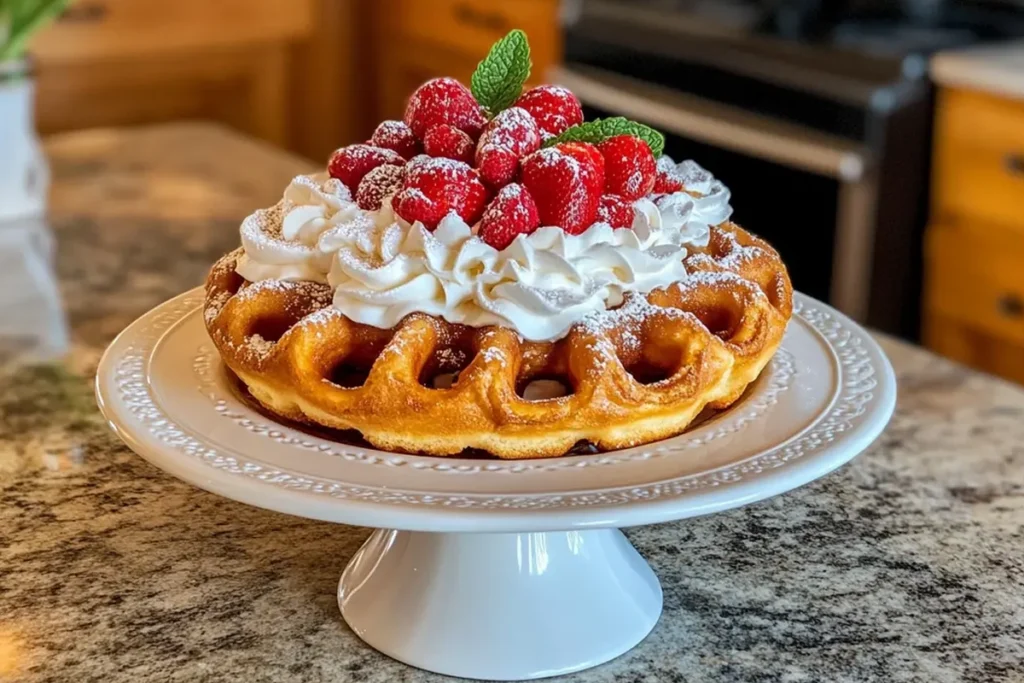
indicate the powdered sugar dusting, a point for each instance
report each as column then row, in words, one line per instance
column 215, row 304
column 493, row 354
column 514, row 130
column 258, row 347
column 379, row 183
column 449, row 357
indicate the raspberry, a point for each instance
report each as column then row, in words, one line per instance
column 350, row 164
column 629, row 166
column 497, row 165
column 615, row 211
column 667, row 178
column 396, row 136
column 510, row 136
column 553, row 107
column 565, row 182
column 434, row 187
column 378, row 184
column 444, row 101
column 448, row 142
column 512, row 212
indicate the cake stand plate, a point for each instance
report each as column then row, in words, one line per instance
column 497, row 569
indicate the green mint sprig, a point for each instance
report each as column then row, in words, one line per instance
column 499, row 78
column 600, row 130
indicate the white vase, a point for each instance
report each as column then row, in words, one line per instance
column 32, row 322
column 24, row 175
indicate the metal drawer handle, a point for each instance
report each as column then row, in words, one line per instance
column 84, row 13
column 493, row 21
column 1015, row 163
column 1011, row 306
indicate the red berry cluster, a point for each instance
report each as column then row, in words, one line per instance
column 445, row 156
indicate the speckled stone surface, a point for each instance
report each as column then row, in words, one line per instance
column 907, row 565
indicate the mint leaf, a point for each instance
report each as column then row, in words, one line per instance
column 600, row 130
column 498, row 79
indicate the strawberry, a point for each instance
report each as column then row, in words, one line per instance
column 553, row 107
column 434, row 187
column 667, row 178
column 449, row 142
column 565, row 182
column 350, row 164
column 629, row 166
column 377, row 184
column 396, row 136
column 615, row 211
column 511, row 135
column 512, row 212
column 444, row 101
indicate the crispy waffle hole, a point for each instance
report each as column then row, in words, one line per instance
column 271, row 328
column 442, row 369
column 651, row 364
column 544, row 387
column 352, row 370
column 721, row 321
column 544, row 373
column 349, row 375
column 645, row 372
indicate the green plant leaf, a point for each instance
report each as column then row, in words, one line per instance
column 499, row 77
column 26, row 18
column 600, row 130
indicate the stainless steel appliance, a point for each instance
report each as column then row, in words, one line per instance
column 816, row 113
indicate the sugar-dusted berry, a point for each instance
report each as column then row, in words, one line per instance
column 398, row 137
column 616, row 211
column 444, row 101
column 553, row 107
column 511, row 213
column 629, row 166
column 378, row 184
column 511, row 135
column 448, row 142
column 497, row 166
column 565, row 182
column 350, row 164
column 433, row 187
column 667, row 178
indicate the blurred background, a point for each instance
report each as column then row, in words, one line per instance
column 879, row 144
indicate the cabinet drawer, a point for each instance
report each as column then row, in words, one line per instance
column 95, row 29
column 980, row 158
column 976, row 276
column 470, row 27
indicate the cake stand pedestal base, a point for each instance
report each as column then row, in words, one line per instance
column 507, row 606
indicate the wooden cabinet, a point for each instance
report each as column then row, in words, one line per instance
column 979, row 171
column 116, row 62
column 974, row 289
column 307, row 75
column 417, row 41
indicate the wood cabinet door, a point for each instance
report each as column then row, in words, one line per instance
column 401, row 72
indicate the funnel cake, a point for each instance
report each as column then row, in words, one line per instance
column 417, row 299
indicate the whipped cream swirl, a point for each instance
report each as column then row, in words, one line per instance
column 689, row 215
column 540, row 285
column 382, row 268
column 281, row 242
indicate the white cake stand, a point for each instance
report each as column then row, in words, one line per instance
column 494, row 569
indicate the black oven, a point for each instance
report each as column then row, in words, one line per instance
column 819, row 121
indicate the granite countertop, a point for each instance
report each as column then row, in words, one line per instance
column 997, row 69
column 906, row 565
